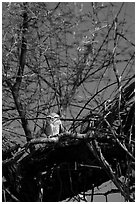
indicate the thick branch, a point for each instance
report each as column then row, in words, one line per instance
column 16, row 87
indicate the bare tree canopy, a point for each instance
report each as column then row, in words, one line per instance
column 76, row 60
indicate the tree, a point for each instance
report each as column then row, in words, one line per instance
column 76, row 59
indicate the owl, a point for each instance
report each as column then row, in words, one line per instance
column 53, row 125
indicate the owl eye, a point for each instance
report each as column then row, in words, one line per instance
column 56, row 117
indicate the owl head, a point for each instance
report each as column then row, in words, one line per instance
column 52, row 117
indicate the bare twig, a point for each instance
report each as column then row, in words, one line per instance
column 11, row 195
column 95, row 149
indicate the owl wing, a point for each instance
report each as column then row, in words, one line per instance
column 61, row 128
column 48, row 129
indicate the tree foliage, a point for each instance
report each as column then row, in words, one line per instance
column 76, row 59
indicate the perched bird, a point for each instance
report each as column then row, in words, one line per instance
column 53, row 125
